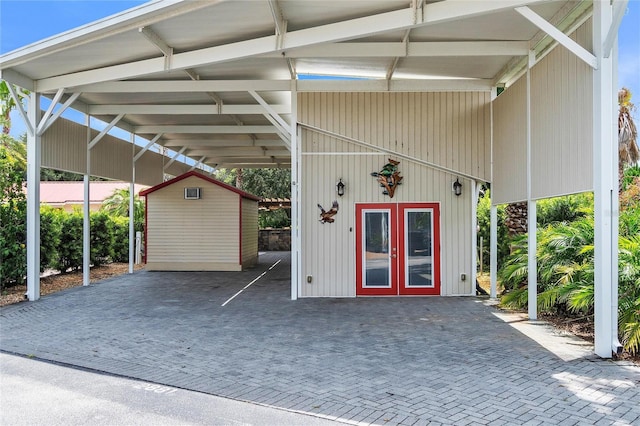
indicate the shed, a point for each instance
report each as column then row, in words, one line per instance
column 197, row 223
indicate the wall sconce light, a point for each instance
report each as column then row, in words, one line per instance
column 340, row 187
column 457, row 187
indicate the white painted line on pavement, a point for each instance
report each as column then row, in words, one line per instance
column 248, row 285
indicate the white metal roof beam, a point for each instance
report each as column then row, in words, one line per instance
column 223, row 142
column 175, row 157
column 45, row 125
column 49, row 110
column 146, row 147
column 558, row 36
column 185, row 109
column 198, row 164
column 392, row 85
column 204, row 129
column 412, row 49
column 249, row 160
column 433, row 13
column 270, row 111
column 279, row 165
column 281, row 30
column 619, row 9
column 218, row 153
column 16, row 100
column 172, row 86
column 155, row 39
column 110, row 126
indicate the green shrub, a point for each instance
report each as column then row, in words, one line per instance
column 70, row 249
column 101, row 238
column 13, row 228
column 273, row 219
column 120, row 239
column 50, row 232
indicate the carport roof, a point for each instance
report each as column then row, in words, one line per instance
column 213, row 79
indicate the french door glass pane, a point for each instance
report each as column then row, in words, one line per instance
column 419, row 260
column 376, row 242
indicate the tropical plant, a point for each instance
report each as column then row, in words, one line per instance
column 117, row 204
column 7, row 104
column 566, row 272
column 628, row 152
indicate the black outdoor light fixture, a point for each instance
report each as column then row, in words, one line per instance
column 457, row 187
column 340, row 187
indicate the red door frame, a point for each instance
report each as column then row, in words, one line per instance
column 397, row 256
column 393, row 243
column 435, row 254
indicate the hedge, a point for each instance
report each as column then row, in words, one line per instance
column 61, row 235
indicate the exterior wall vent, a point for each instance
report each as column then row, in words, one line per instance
column 192, row 193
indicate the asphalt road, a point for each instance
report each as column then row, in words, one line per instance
column 33, row 393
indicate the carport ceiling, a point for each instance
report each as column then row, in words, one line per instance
column 214, row 78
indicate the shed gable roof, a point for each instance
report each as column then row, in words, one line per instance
column 203, row 177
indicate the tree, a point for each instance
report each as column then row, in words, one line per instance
column 7, row 104
column 117, row 204
column 628, row 152
column 266, row 183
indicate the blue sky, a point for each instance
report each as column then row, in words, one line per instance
column 23, row 22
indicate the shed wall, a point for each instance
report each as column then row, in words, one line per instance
column 415, row 124
column 249, row 233
column 193, row 234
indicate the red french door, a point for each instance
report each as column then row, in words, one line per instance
column 397, row 249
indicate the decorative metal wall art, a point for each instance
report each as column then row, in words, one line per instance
column 327, row 216
column 389, row 177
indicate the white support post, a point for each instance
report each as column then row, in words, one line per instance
column 34, row 152
column 532, row 242
column 493, row 294
column 605, row 188
column 132, row 205
column 474, row 236
column 295, row 201
column 532, row 264
column 86, row 213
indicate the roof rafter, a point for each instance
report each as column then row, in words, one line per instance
column 172, row 86
column 204, row 129
column 222, row 142
column 195, row 109
column 410, row 49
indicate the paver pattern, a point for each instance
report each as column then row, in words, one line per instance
column 405, row 361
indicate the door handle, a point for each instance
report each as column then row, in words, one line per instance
column 394, row 255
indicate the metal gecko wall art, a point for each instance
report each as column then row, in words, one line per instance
column 389, row 177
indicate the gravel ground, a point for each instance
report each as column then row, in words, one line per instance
column 56, row 282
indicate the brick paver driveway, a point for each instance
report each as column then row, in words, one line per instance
column 368, row 360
